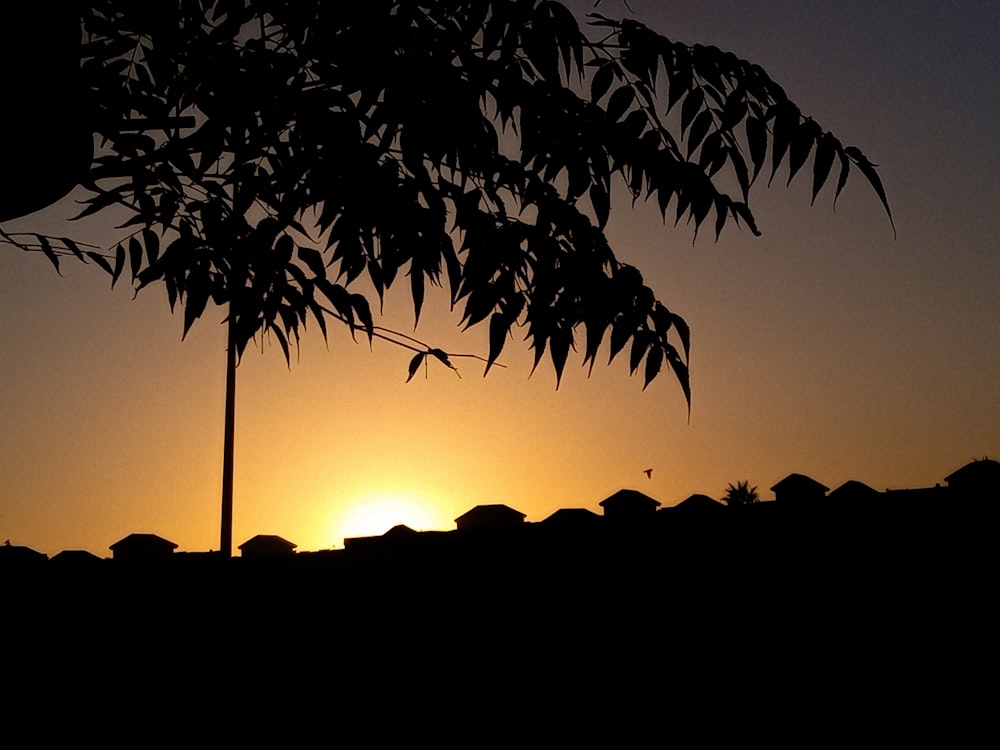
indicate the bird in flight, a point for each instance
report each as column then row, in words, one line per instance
column 648, row 473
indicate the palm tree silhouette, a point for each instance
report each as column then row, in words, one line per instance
column 741, row 494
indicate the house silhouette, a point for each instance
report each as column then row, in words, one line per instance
column 798, row 488
column 490, row 517
column 142, row 547
column 17, row 555
column 76, row 558
column 853, row 491
column 266, row 546
column 572, row 519
column 627, row 515
column 698, row 503
column 976, row 478
column 629, row 505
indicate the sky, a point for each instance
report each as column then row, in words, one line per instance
column 829, row 346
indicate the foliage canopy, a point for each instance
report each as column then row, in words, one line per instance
column 741, row 494
column 470, row 144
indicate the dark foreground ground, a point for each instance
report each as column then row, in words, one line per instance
column 798, row 631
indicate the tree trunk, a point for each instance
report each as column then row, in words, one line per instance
column 226, row 534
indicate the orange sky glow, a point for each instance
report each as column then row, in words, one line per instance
column 826, row 347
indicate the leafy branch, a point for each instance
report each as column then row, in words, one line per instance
column 468, row 144
column 423, row 351
column 54, row 248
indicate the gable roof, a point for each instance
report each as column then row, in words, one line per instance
column 143, row 543
column 797, row 483
column 853, row 490
column 267, row 544
column 699, row 501
column 572, row 518
column 19, row 554
column 76, row 557
column 628, row 502
column 980, row 474
column 400, row 531
column 489, row 516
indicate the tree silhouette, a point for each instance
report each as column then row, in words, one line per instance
column 740, row 494
column 468, row 144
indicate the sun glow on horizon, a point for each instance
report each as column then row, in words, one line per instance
column 374, row 513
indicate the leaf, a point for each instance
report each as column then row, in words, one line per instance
column 692, row 105
column 119, row 264
column 786, row 120
column 868, row 170
column 340, row 298
column 416, row 292
column 101, row 261
column 480, row 303
column 741, row 211
column 196, row 298
column 802, row 143
column 735, row 109
column 698, row 130
column 147, row 276
column 721, row 215
column 601, row 202
column 619, row 103
column 311, row 257
column 826, row 150
column 683, row 376
column 601, row 82
column 681, row 326
column 152, row 243
column 72, row 247
column 640, row 345
column 282, row 340
column 364, row 313
column 634, row 124
column 640, row 56
column 441, row 356
column 757, row 142
column 654, row 361
column 845, row 170
column 135, row 256
column 318, row 315
column 499, row 328
column 559, row 345
column 740, row 170
column 49, row 252
column 415, row 363
column 594, row 330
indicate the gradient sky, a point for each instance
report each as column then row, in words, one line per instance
column 826, row 346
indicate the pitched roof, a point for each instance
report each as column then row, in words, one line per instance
column 489, row 516
column 628, row 501
column 267, row 543
column 798, row 483
column 143, row 542
column 76, row 557
column 400, row 531
column 699, row 501
column 572, row 518
column 853, row 490
column 15, row 553
column 980, row 473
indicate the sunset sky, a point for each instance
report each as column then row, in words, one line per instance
column 827, row 346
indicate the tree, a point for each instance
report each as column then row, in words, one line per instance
column 468, row 144
column 741, row 494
